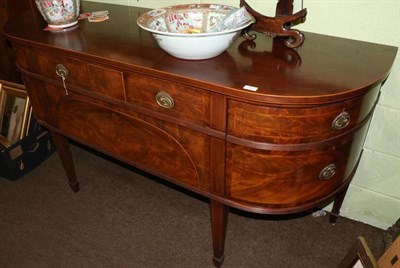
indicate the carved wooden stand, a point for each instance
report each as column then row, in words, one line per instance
column 278, row 25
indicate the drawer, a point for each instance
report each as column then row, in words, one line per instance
column 46, row 64
column 139, row 141
column 285, row 125
column 169, row 98
column 287, row 179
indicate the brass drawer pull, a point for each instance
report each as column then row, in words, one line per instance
column 341, row 121
column 62, row 72
column 327, row 172
column 164, row 100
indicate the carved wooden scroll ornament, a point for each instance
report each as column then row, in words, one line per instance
column 278, row 25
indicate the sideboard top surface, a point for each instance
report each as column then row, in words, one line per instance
column 324, row 69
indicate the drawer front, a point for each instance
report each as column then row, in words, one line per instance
column 285, row 125
column 172, row 99
column 287, row 179
column 138, row 142
column 48, row 63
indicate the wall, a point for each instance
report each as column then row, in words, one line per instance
column 374, row 195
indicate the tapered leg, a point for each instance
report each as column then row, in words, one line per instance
column 337, row 204
column 219, row 220
column 64, row 152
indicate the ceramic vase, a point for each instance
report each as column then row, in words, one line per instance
column 59, row 13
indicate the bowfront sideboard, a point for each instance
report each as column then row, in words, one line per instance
column 261, row 128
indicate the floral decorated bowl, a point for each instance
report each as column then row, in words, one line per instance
column 59, row 13
column 195, row 31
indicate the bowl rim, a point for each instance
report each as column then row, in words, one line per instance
column 240, row 27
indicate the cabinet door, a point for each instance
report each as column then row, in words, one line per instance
column 132, row 139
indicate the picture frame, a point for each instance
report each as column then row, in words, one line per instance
column 15, row 113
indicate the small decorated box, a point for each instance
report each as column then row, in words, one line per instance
column 26, row 154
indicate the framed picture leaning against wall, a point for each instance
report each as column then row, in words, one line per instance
column 15, row 113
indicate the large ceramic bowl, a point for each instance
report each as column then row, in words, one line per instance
column 192, row 32
column 59, row 13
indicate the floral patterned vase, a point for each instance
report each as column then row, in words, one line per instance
column 59, row 13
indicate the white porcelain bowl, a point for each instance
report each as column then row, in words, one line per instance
column 189, row 31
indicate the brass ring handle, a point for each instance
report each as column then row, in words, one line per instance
column 327, row 172
column 341, row 121
column 164, row 100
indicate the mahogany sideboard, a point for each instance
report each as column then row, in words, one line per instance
column 290, row 144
